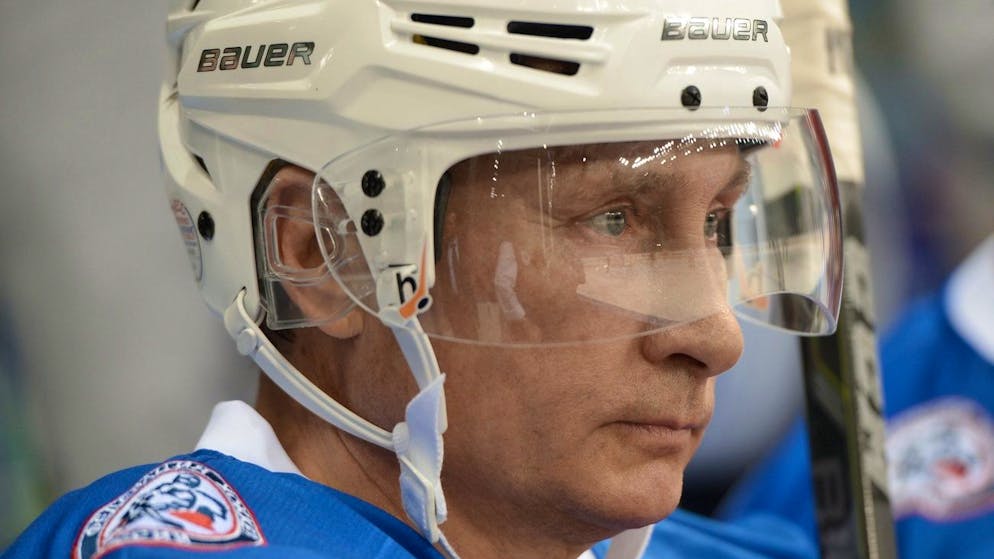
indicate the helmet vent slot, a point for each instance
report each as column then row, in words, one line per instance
column 448, row 21
column 458, row 46
column 550, row 30
column 564, row 67
column 202, row 164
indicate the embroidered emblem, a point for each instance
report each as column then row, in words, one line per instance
column 178, row 504
column 942, row 460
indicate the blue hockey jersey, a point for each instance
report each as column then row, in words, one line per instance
column 938, row 380
column 207, row 501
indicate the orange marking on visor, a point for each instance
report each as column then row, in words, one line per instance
column 410, row 308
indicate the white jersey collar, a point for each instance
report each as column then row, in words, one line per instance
column 236, row 429
column 970, row 300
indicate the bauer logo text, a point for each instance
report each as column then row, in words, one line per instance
column 718, row 29
column 253, row 56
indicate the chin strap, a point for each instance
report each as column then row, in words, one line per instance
column 418, row 445
column 253, row 343
column 417, row 441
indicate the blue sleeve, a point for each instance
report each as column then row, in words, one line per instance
column 38, row 540
column 267, row 552
column 53, row 534
column 301, row 519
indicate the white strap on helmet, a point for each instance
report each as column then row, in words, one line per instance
column 253, row 343
column 417, row 441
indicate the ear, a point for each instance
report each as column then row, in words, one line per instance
column 297, row 248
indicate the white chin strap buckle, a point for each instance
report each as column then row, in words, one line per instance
column 418, row 444
column 419, row 500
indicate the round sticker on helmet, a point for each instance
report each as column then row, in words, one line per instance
column 188, row 230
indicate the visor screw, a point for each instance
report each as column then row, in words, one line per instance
column 373, row 183
column 760, row 98
column 205, row 224
column 372, row 222
column 691, row 97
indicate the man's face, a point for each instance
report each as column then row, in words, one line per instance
column 624, row 257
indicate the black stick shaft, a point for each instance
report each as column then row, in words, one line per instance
column 844, row 409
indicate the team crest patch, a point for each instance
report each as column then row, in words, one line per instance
column 942, row 461
column 181, row 504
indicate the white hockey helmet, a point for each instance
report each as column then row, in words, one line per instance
column 577, row 128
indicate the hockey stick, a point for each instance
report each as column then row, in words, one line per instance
column 841, row 374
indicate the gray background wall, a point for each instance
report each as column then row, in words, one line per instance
column 120, row 360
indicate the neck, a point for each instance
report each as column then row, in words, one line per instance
column 331, row 457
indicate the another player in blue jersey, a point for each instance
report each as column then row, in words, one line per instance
column 938, row 379
column 558, row 204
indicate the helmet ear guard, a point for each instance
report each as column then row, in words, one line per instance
column 295, row 281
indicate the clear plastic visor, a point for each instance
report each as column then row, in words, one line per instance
column 549, row 232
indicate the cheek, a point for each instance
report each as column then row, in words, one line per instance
column 490, row 389
column 532, row 402
column 487, row 415
column 381, row 394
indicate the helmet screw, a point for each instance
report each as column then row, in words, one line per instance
column 760, row 98
column 205, row 224
column 372, row 222
column 691, row 97
column 373, row 183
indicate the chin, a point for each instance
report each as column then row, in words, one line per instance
column 632, row 499
column 648, row 505
column 649, row 487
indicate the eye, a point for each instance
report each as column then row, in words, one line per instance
column 716, row 227
column 611, row 223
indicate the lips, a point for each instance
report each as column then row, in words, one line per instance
column 661, row 431
column 679, row 410
column 691, row 421
column 672, row 424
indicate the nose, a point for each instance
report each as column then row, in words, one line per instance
column 714, row 341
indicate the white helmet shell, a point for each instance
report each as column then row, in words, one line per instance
column 254, row 81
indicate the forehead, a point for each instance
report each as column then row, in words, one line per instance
column 621, row 167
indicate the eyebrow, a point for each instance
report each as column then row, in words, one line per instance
column 648, row 181
column 741, row 178
column 651, row 181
